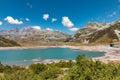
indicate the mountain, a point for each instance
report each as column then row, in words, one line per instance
column 7, row 43
column 33, row 36
column 95, row 32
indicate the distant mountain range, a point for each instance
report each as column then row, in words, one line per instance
column 93, row 32
column 33, row 36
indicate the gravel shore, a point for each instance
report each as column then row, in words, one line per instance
column 111, row 54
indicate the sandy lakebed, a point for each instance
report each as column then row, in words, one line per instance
column 111, row 54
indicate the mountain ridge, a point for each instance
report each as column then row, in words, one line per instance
column 95, row 32
column 30, row 35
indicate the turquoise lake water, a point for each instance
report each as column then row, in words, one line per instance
column 29, row 56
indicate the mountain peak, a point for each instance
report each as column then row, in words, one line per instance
column 96, row 25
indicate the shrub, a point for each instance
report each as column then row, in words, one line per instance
column 37, row 68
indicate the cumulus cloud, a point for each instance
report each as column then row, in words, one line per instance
column 46, row 16
column 27, row 19
column 67, row 22
column 11, row 20
column 73, row 29
column 54, row 19
column 36, row 27
column 112, row 14
column 49, row 29
column 1, row 23
column 29, row 4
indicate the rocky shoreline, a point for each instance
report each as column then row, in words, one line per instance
column 111, row 54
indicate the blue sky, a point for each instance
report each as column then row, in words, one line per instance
column 64, row 15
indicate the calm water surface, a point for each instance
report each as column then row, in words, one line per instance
column 29, row 56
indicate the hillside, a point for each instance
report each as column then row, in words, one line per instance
column 98, row 33
column 7, row 43
column 29, row 36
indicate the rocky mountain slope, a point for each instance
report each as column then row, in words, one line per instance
column 30, row 35
column 7, row 43
column 95, row 32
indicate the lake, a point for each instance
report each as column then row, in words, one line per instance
column 29, row 56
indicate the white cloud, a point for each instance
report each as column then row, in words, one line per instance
column 118, row 0
column 11, row 20
column 29, row 5
column 36, row 27
column 69, row 24
column 54, row 19
column 27, row 19
column 49, row 29
column 66, row 22
column 45, row 16
column 1, row 23
column 112, row 14
column 73, row 29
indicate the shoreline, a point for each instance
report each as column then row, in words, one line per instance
column 111, row 54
